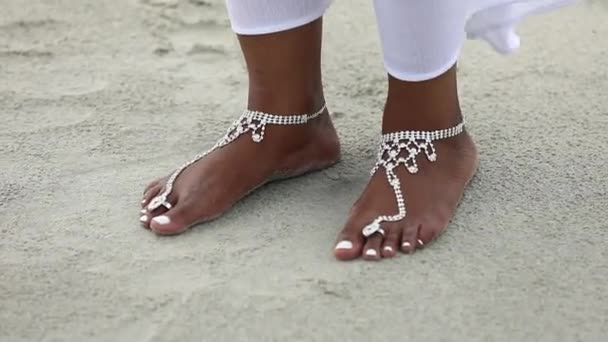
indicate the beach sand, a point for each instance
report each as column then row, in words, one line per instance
column 97, row 98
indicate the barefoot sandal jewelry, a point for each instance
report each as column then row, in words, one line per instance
column 402, row 148
column 250, row 121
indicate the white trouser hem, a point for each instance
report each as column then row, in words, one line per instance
column 419, row 77
column 293, row 23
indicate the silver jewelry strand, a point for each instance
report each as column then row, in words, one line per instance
column 402, row 148
column 250, row 121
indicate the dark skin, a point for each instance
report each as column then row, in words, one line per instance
column 431, row 195
column 285, row 70
column 285, row 78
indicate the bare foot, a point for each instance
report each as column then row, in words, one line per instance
column 215, row 183
column 431, row 198
column 284, row 72
column 431, row 194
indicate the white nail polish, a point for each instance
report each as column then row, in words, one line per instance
column 143, row 201
column 406, row 244
column 144, row 218
column 371, row 252
column 143, row 211
column 420, row 242
column 388, row 248
column 162, row 219
column 344, row 244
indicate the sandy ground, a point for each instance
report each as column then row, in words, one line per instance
column 99, row 97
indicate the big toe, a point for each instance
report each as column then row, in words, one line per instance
column 174, row 221
column 349, row 243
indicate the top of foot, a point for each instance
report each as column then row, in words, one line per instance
column 216, row 182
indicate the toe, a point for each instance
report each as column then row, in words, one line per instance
column 152, row 184
column 144, row 214
column 391, row 242
column 147, row 216
column 174, row 221
column 150, row 194
column 371, row 250
column 409, row 238
column 144, row 219
column 350, row 242
column 428, row 232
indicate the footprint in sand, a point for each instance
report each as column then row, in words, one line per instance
column 30, row 38
column 27, row 53
column 176, row 3
column 53, row 80
column 191, row 27
column 160, row 3
column 52, row 84
column 40, row 117
column 205, row 38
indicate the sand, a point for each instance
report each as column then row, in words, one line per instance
column 99, row 97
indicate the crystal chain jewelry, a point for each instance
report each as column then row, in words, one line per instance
column 250, row 121
column 403, row 148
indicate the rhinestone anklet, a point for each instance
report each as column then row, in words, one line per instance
column 250, row 121
column 410, row 144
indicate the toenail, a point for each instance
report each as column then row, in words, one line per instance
column 420, row 242
column 406, row 244
column 144, row 218
column 163, row 219
column 344, row 244
column 371, row 252
column 143, row 211
column 388, row 248
column 143, row 201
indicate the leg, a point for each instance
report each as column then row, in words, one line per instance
column 422, row 96
column 284, row 78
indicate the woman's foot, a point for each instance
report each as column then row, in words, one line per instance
column 284, row 70
column 432, row 194
column 215, row 183
column 431, row 197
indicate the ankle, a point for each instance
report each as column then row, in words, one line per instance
column 404, row 118
column 426, row 105
column 285, row 99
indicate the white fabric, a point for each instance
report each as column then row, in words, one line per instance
column 421, row 39
column 267, row 16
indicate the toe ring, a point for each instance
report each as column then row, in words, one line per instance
column 159, row 201
column 372, row 228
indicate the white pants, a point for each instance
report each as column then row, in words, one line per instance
column 421, row 39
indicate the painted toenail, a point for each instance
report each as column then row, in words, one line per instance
column 344, row 244
column 143, row 211
column 406, row 244
column 388, row 248
column 420, row 242
column 163, row 219
column 371, row 252
column 144, row 218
